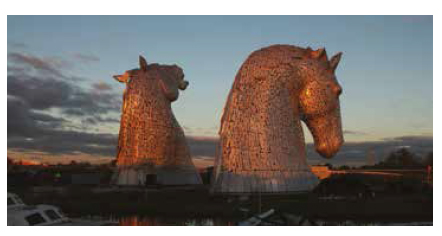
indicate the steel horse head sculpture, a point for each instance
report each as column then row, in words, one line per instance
column 262, row 146
column 152, row 147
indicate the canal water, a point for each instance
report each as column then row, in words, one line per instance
column 165, row 221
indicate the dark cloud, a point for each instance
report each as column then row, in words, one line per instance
column 49, row 66
column 17, row 69
column 106, row 119
column 67, row 142
column 101, row 86
column 40, row 95
column 354, row 132
column 37, row 116
column 43, row 92
column 34, row 131
column 38, row 92
column 20, row 122
column 98, row 120
column 24, row 122
column 92, row 103
column 74, row 112
column 86, row 57
column 35, row 86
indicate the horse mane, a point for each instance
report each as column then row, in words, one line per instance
column 267, row 63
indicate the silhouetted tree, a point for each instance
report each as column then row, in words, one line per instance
column 401, row 158
column 84, row 164
column 113, row 163
column 428, row 160
column 344, row 167
column 11, row 164
column 330, row 166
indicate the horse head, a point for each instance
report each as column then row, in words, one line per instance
column 171, row 78
column 319, row 101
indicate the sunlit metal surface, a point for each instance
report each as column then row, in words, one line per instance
column 262, row 146
column 151, row 142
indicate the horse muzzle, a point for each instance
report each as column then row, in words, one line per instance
column 183, row 84
column 329, row 148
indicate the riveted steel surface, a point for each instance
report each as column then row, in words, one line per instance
column 151, row 142
column 262, row 146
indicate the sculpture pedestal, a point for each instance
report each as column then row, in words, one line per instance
column 143, row 176
column 265, row 182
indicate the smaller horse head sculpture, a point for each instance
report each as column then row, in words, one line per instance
column 151, row 141
column 319, row 100
column 171, row 77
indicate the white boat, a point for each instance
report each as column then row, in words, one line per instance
column 14, row 201
column 256, row 220
column 20, row 214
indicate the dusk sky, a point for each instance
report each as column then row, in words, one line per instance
column 62, row 99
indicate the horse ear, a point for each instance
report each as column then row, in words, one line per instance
column 334, row 61
column 120, row 78
column 319, row 54
column 143, row 63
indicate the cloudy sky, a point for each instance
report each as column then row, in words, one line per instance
column 63, row 102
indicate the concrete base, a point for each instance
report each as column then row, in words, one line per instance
column 271, row 182
column 137, row 176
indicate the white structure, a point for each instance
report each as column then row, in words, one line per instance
column 20, row 214
column 14, row 201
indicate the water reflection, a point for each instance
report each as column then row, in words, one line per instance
column 137, row 220
column 158, row 221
